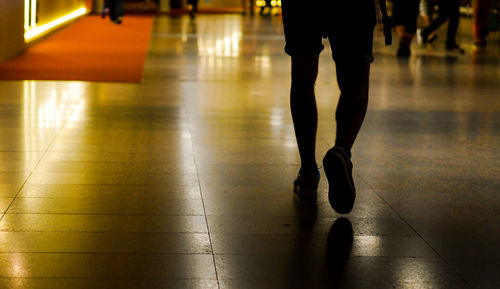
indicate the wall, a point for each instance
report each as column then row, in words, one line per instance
column 220, row 3
column 11, row 28
column 12, row 21
column 164, row 5
column 48, row 10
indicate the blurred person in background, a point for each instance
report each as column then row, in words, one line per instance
column 448, row 10
column 194, row 8
column 481, row 12
column 115, row 10
column 250, row 7
column 405, row 14
column 427, row 12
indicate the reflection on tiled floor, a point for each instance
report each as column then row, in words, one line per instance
column 185, row 180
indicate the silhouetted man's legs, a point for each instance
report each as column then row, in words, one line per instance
column 353, row 81
column 348, row 25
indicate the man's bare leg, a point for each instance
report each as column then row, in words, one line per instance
column 353, row 79
column 305, row 121
column 303, row 107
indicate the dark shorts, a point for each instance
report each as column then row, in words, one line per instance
column 405, row 13
column 348, row 24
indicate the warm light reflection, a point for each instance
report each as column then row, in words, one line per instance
column 17, row 266
column 77, row 114
column 290, row 143
column 33, row 31
column 219, row 46
column 46, row 108
column 369, row 245
column 416, row 273
column 223, row 42
column 276, row 119
column 263, row 65
column 49, row 106
column 219, row 43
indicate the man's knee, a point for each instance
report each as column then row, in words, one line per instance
column 355, row 93
column 304, row 70
column 353, row 78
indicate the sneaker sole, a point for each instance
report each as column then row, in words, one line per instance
column 305, row 193
column 341, row 192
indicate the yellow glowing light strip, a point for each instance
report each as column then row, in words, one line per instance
column 33, row 32
column 26, row 14
column 33, row 14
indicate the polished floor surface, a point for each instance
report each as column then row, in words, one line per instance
column 185, row 180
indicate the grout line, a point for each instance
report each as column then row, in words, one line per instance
column 104, row 278
column 122, row 253
column 202, row 199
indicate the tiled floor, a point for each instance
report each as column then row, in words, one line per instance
column 185, row 180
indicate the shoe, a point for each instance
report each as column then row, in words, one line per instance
column 478, row 49
column 306, row 184
column 117, row 20
column 423, row 39
column 432, row 38
column 480, row 43
column 455, row 48
column 105, row 11
column 404, row 52
column 419, row 36
column 338, row 169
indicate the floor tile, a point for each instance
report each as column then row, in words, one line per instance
column 76, row 242
column 290, row 207
column 380, row 272
column 316, row 244
column 13, row 178
column 110, row 179
column 291, row 225
column 122, row 206
column 116, row 167
column 102, row 223
column 55, row 265
column 125, row 283
column 100, row 191
column 8, row 191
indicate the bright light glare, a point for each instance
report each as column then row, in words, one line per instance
column 33, row 32
column 33, row 14
column 26, row 14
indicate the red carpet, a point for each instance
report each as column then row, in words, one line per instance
column 90, row 49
